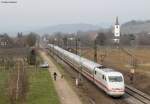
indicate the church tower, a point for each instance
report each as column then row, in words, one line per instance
column 117, row 31
column 117, row 28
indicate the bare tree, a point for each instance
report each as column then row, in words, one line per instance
column 31, row 39
column 101, row 38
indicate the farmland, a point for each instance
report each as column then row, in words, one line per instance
column 3, row 94
column 41, row 88
column 121, row 60
column 34, row 85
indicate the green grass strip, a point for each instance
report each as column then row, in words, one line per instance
column 41, row 88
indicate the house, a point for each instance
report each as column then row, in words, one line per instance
column 5, row 41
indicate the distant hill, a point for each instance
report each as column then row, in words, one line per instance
column 65, row 28
column 135, row 27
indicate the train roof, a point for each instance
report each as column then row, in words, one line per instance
column 107, row 70
column 115, row 73
column 110, row 72
column 87, row 63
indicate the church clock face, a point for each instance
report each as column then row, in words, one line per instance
column 117, row 31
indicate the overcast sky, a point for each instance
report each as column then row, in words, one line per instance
column 40, row 13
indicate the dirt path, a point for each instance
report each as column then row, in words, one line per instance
column 66, row 94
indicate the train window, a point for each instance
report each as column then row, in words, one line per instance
column 102, row 67
column 95, row 72
column 103, row 76
column 115, row 79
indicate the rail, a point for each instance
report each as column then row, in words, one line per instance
column 137, row 94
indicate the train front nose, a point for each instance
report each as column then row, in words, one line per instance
column 116, row 84
column 116, row 89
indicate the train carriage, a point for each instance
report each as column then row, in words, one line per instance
column 109, row 80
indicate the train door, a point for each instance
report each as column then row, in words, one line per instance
column 104, row 82
column 100, row 79
column 96, row 76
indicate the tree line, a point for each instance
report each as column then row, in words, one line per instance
column 102, row 38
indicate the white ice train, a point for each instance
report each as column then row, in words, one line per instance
column 109, row 80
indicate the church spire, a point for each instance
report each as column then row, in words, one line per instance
column 117, row 32
column 117, row 22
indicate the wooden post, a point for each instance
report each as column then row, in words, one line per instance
column 95, row 50
column 76, row 45
column 18, row 78
column 77, row 82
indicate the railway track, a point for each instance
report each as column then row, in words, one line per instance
column 138, row 95
column 135, row 96
column 91, row 100
column 132, row 95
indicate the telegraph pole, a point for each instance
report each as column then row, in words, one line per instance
column 95, row 50
column 76, row 45
column 80, row 67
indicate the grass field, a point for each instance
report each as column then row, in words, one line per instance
column 40, row 87
column 3, row 88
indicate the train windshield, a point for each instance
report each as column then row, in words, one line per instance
column 115, row 79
